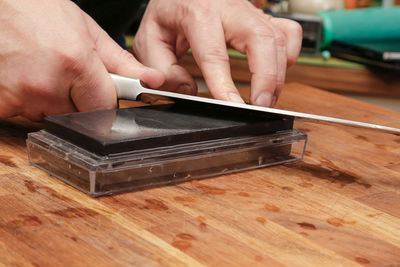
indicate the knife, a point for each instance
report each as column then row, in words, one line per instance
column 130, row 89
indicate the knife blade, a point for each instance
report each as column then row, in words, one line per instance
column 130, row 89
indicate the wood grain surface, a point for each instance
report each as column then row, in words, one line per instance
column 339, row 206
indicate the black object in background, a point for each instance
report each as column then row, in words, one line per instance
column 116, row 17
column 312, row 31
column 384, row 54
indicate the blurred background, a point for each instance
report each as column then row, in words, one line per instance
column 351, row 47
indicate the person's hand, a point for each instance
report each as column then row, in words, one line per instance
column 55, row 59
column 170, row 27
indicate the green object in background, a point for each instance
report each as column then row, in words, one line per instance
column 307, row 60
column 361, row 24
column 310, row 60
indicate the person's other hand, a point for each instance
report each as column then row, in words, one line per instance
column 55, row 59
column 169, row 28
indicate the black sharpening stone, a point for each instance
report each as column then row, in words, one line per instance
column 116, row 131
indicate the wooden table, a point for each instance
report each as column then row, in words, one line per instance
column 340, row 205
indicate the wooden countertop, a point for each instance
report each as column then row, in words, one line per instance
column 340, row 205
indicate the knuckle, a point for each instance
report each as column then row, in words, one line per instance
column 296, row 36
column 280, row 39
column 266, row 17
column 35, row 86
column 126, row 55
column 263, row 33
column 258, row 29
column 82, row 92
column 215, row 55
column 261, row 12
column 126, row 58
column 294, row 28
column 265, row 75
column 256, row 26
column 201, row 13
column 72, row 59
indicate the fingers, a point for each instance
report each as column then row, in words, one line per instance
column 264, row 64
column 208, row 26
column 207, row 40
column 294, row 35
column 270, row 37
column 157, row 53
column 265, row 46
column 93, row 89
column 286, row 37
column 119, row 61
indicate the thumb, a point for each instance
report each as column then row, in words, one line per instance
column 119, row 61
column 92, row 89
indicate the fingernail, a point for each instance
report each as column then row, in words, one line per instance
column 184, row 89
column 274, row 100
column 235, row 98
column 264, row 99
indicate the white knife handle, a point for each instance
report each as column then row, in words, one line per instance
column 127, row 88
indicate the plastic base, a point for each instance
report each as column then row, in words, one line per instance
column 99, row 175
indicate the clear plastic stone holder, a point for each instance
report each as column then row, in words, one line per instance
column 140, row 148
column 104, row 175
